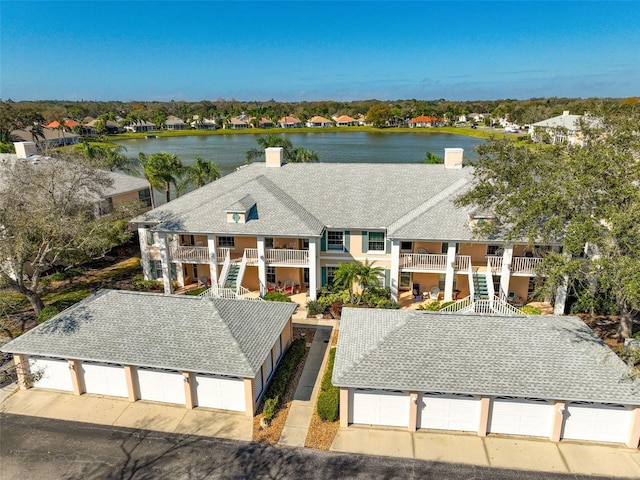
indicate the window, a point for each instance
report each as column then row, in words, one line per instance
column 305, row 244
column 271, row 274
column 406, row 246
column 195, row 271
column 156, row 269
column 376, row 241
column 145, row 196
column 228, row 242
column 494, row 250
column 445, row 248
column 268, row 242
column 305, row 276
column 335, row 241
column 331, row 273
column 405, row 280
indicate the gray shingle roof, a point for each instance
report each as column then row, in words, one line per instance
column 332, row 195
column 538, row 356
column 226, row 337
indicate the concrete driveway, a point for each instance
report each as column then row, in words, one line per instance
column 122, row 413
column 492, row 451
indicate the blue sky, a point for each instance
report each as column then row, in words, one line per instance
column 292, row 51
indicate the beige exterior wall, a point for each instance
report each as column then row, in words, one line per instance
column 485, row 407
column 288, row 273
column 520, row 250
column 344, row 407
column 241, row 243
column 125, row 197
column 249, row 404
column 187, row 272
column 557, row 421
column 426, row 280
column 21, row 364
column 477, row 251
column 462, row 284
column 634, row 430
column 250, row 280
column 413, row 411
column 189, row 392
column 430, row 247
column 519, row 285
column 198, row 240
column 132, row 382
column 77, row 379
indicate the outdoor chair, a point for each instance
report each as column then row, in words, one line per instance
column 288, row 287
column 511, row 297
column 434, row 293
column 271, row 287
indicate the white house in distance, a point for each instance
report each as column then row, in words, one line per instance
column 538, row 376
column 560, row 129
column 272, row 222
column 144, row 346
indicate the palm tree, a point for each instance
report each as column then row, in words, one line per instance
column 369, row 275
column 346, row 276
column 112, row 158
column 291, row 155
column 162, row 170
column 202, row 172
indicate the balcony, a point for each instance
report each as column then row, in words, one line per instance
column 429, row 262
column 525, row 266
column 279, row 257
column 195, row 254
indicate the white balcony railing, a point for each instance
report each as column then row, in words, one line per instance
column 494, row 264
column 185, row 253
column 251, row 256
column 525, row 265
column 429, row 262
column 287, row 257
column 221, row 253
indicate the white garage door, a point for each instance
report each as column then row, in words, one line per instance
column 597, row 422
column 161, row 385
column 449, row 412
column 51, row 373
column 225, row 393
column 379, row 407
column 105, row 379
column 520, row 416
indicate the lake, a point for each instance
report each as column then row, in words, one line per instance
column 229, row 151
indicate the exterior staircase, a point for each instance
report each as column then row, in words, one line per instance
column 231, row 280
column 481, row 291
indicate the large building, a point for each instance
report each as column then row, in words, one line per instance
column 271, row 222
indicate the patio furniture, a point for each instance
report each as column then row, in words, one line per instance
column 434, row 293
column 511, row 297
column 416, row 290
column 271, row 287
column 422, row 251
column 204, row 281
column 288, row 287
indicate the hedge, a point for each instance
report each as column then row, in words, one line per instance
column 276, row 297
column 328, row 406
column 282, row 376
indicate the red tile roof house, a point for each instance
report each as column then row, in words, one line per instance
column 345, row 121
column 265, row 123
column 289, row 122
column 319, row 122
column 423, row 121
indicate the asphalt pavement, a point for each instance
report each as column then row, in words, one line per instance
column 42, row 448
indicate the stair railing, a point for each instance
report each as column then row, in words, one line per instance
column 243, row 266
column 225, row 270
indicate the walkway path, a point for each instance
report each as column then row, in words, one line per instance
column 295, row 429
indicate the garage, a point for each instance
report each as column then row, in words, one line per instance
column 215, row 391
column 379, row 407
column 448, row 411
column 161, row 385
column 531, row 417
column 53, row 373
column 105, row 379
column 597, row 422
column 257, row 386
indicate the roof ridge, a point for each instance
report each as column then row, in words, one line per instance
column 302, row 213
column 426, row 205
column 236, row 343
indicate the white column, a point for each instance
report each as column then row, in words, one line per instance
column 451, row 271
column 144, row 253
column 314, row 271
column 505, row 275
column 394, row 278
column 166, row 262
column 262, row 267
column 213, row 261
column 561, row 298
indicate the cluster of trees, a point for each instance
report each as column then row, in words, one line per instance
column 576, row 195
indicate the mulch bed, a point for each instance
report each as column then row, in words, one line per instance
column 271, row 434
column 606, row 327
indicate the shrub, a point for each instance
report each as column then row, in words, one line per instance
column 314, row 307
column 139, row 283
column 432, row 306
column 328, row 406
column 282, row 376
column 270, row 405
column 276, row 297
column 529, row 310
column 47, row 312
column 196, row 291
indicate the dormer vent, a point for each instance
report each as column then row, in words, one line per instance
column 240, row 211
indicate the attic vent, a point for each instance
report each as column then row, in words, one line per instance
column 240, row 211
column 478, row 218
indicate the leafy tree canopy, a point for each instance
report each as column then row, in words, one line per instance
column 291, row 154
column 577, row 196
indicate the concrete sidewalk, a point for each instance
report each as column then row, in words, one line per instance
column 296, row 427
column 492, row 451
column 122, row 413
